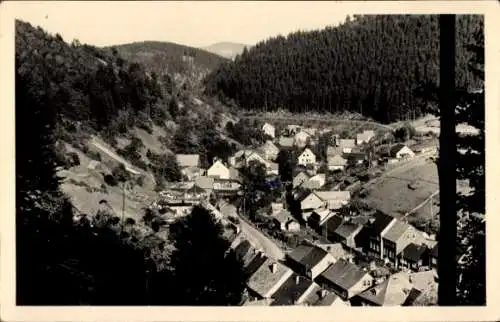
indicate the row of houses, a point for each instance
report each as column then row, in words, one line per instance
column 311, row 275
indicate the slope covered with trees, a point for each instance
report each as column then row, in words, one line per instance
column 368, row 64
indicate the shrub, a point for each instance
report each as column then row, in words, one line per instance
column 73, row 159
column 94, row 155
column 110, row 180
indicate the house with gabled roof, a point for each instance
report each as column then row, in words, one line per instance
column 269, row 150
column 346, row 233
column 285, row 142
column 414, row 256
column 306, row 157
column 219, row 170
column 401, row 151
column 315, row 182
column 285, row 221
column 309, row 260
column 391, row 292
column 329, row 226
column 293, row 292
column 376, row 229
column 268, row 278
column 345, row 279
column 396, row 238
column 336, row 162
column 188, row 160
column 319, row 216
column 332, row 200
column 269, row 129
column 321, row 297
column 300, row 139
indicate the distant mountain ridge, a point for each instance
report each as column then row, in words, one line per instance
column 226, row 49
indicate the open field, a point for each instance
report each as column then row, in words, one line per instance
column 393, row 195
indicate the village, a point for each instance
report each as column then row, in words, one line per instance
column 316, row 243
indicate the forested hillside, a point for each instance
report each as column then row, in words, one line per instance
column 369, row 64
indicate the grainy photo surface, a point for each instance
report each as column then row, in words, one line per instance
column 327, row 160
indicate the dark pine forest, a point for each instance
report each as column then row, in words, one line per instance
column 371, row 65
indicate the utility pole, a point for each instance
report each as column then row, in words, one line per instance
column 447, row 264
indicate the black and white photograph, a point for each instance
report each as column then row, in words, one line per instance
column 238, row 153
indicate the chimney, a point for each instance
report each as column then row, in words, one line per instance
column 274, row 267
column 410, row 279
column 323, row 293
column 297, row 279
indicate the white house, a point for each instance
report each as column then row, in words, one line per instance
column 307, row 157
column 300, row 139
column 336, row 162
column 269, row 150
column 327, row 199
column 315, row 182
column 401, row 151
column 219, row 170
column 269, row 129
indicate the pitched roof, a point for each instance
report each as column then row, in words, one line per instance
column 188, row 160
column 269, row 146
column 381, row 222
column 316, row 298
column 234, row 174
column 396, row 231
column 331, row 150
column 357, row 156
column 391, row 292
column 396, row 148
column 314, row 257
column 343, row 274
column 423, row 280
column 413, row 252
column 272, row 166
column 306, row 150
column 299, row 252
column 293, row 288
column 332, row 224
column 263, row 280
column 333, row 195
column 283, row 216
column 347, row 229
column 254, row 263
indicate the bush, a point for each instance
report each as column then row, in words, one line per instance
column 94, row 155
column 110, row 180
column 73, row 159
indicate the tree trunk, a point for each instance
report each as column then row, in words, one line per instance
column 447, row 263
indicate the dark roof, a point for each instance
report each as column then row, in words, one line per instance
column 356, row 156
column 343, row 274
column 291, row 291
column 380, row 223
column 332, row 224
column 243, row 249
column 413, row 252
column 254, row 265
column 347, row 229
column 414, row 294
column 307, row 255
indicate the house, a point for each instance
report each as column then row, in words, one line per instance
column 345, row 279
column 269, row 129
column 268, row 278
column 219, row 170
column 294, row 291
column 393, row 291
column 333, row 150
column 322, row 297
column 300, row 139
column 276, row 207
column 309, row 260
column 329, row 226
column 285, row 142
column 272, row 168
column 234, row 174
column 396, row 238
column 319, row 216
column 364, row 137
column 336, row 162
column 401, row 151
column 347, row 145
column 414, row 256
column 285, row 221
column 346, row 233
column 191, row 173
column 329, row 199
column 299, row 179
column 269, row 151
column 338, row 251
column 306, row 157
column 377, row 228
column 188, row 160
column 206, row 183
column 315, row 182
column 243, row 157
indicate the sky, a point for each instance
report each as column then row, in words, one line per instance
column 193, row 23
